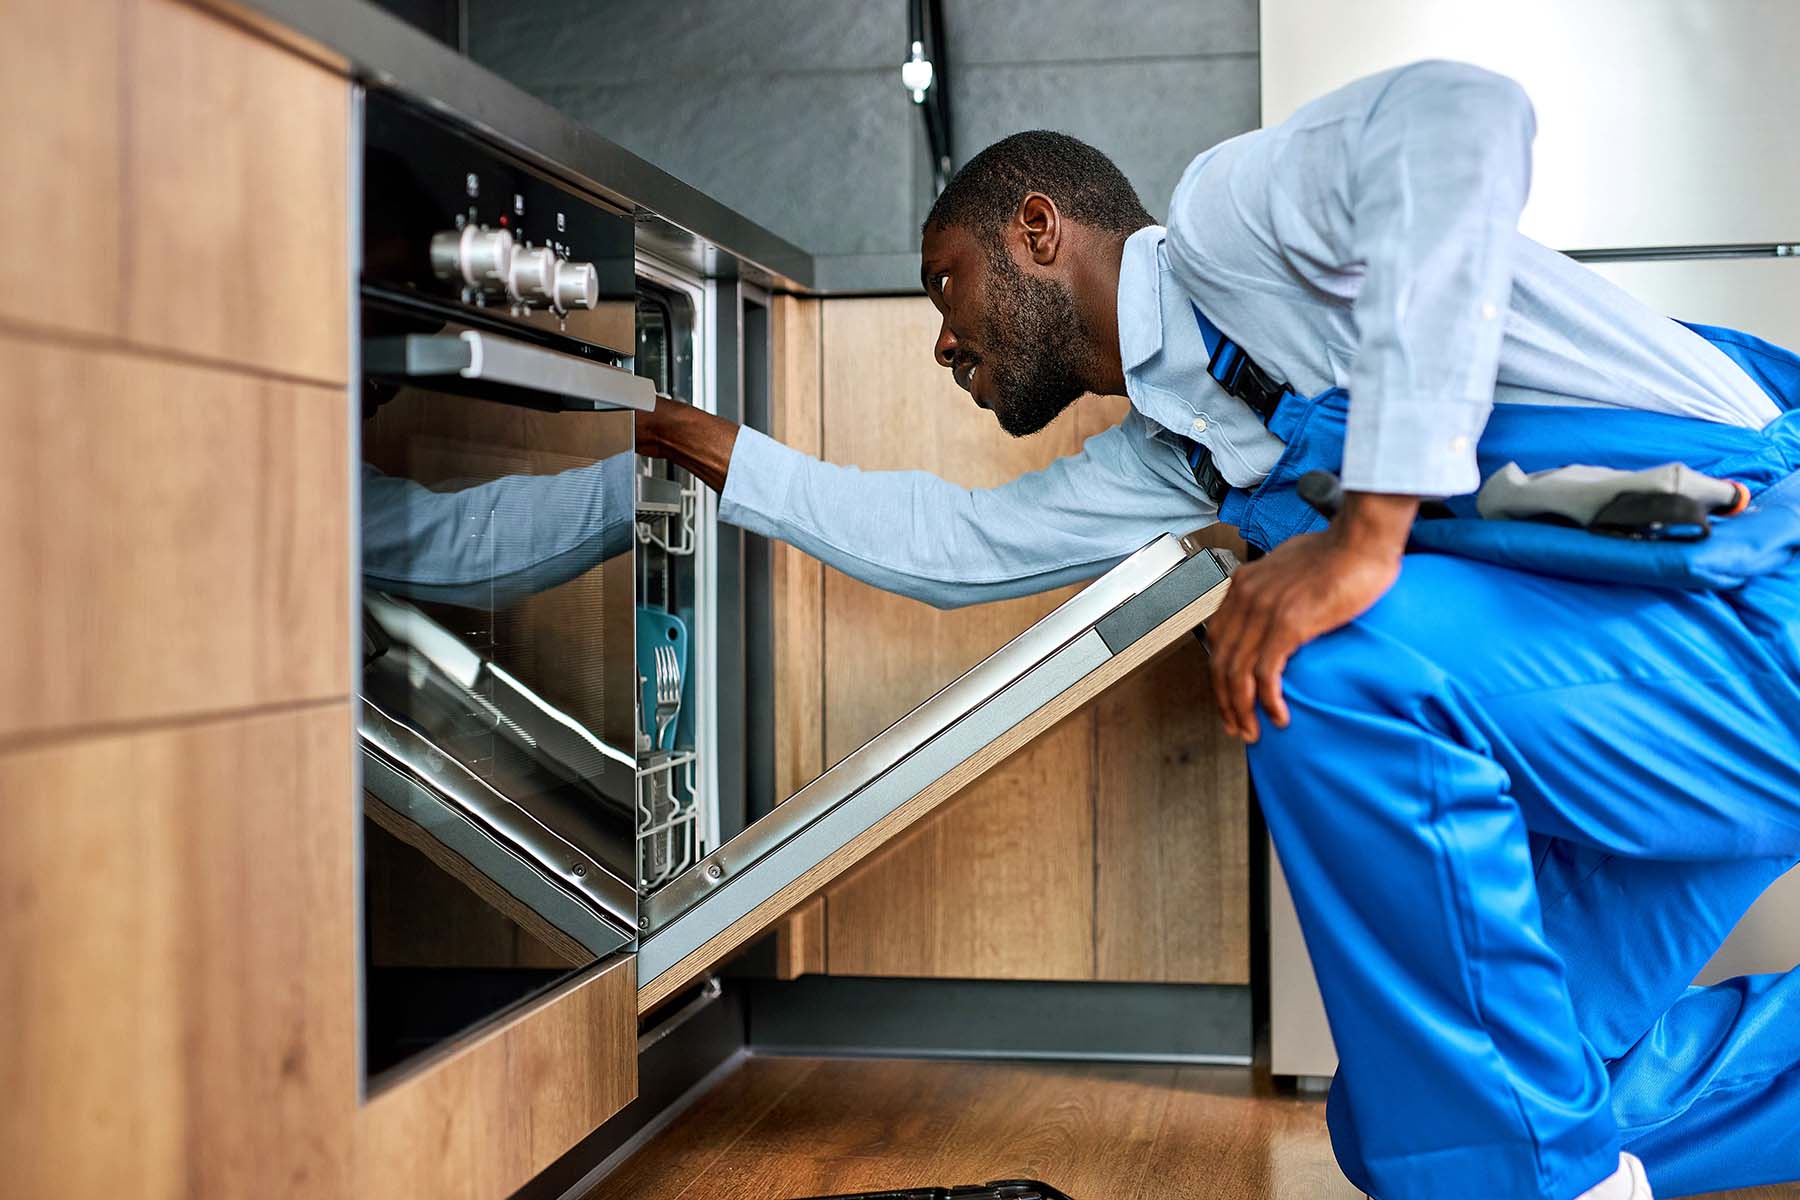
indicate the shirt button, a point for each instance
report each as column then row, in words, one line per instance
column 1459, row 443
column 1489, row 312
column 1198, row 427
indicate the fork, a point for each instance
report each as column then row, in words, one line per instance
column 668, row 690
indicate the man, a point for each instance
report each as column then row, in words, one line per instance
column 1519, row 811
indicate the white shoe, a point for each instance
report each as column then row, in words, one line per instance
column 1627, row 1183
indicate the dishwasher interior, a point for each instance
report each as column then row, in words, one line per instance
column 676, row 587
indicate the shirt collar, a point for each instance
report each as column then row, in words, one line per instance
column 1140, row 298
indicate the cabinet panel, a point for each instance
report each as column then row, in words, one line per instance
column 998, row 884
column 177, row 948
column 889, row 406
column 482, row 1122
column 798, row 578
column 1171, row 862
column 176, row 539
column 236, row 196
column 61, row 88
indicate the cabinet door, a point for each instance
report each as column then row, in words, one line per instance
column 1118, row 622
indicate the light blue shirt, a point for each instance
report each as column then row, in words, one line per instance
column 1370, row 242
column 493, row 544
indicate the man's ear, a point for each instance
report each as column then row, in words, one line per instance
column 1041, row 226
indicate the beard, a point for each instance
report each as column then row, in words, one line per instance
column 1035, row 349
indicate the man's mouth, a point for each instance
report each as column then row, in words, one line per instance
column 965, row 374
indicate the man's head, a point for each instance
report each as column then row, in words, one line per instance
column 1021, row 256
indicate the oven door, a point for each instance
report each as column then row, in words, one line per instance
column 1119, row 621
column 500, row 683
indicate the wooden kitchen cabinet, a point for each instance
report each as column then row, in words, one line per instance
column 178, row 873
column 1111, row 848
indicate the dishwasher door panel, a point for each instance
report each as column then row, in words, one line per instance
column 1140, row 607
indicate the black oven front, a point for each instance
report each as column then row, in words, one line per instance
column 499, row 692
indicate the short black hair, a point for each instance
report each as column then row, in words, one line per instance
column 1085, row 184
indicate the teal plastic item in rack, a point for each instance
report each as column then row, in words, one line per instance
column 657, row 628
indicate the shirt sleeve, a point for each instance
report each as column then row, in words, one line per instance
column 924, row 537
column 493, row 544
column 1404, row 190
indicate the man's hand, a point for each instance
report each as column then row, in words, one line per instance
column 696, row 441
column 1307, row 586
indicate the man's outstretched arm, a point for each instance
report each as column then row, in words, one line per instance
column 913, row 533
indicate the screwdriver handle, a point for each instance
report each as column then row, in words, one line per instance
column 1322, row 491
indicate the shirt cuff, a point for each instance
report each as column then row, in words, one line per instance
column 1423, row 447
column 758, row 481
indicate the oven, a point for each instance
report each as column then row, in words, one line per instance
column 500, row 691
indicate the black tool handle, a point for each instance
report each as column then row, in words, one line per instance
column 1323, row 492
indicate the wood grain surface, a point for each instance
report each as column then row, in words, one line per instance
column 236, row 196
column 61, row 84
column 798, row 578
column 1171, row 857
column 800, row 941
column 482, row 1121
column 174, row 539
column 177, row 918
column 791, row 1127
column 187, row 186
column 997, row 884
column 178, row 884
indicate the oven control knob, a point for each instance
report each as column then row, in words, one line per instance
column 533, row 276
column 577, row 285
column 474, row 255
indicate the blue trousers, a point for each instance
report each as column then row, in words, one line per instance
column 1518, row 815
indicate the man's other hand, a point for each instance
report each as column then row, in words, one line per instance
column 1306, row 587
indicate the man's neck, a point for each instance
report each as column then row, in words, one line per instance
column 1098, row 295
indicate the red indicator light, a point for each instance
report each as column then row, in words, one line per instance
column 503, row 222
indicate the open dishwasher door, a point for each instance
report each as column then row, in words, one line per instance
column 1119, row 621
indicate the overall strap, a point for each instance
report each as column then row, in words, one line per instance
column 1237, row 372
column 1242, row 379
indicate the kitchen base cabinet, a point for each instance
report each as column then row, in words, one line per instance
column 178, row 868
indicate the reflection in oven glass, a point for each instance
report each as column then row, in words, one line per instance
column 499, row 707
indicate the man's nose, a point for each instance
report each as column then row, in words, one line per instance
column 945, row 349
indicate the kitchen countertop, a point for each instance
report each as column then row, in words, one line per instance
column 383, row 51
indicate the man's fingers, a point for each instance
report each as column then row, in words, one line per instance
column 1222, row 643
column 1237, row 699
column 1268, row 686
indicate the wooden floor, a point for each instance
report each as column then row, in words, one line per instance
column 788, row 1127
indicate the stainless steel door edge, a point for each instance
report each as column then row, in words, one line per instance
column 393, row 741
column 751, row 885
column 883, row 752
column 551, row 378
column 601, row 933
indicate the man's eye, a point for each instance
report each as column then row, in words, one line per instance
column 941, row 282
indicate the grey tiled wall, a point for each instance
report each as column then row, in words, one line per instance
column 791, row 111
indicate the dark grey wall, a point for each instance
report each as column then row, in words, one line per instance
column 791, row 111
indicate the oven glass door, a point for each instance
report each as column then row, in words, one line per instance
column 499, row 706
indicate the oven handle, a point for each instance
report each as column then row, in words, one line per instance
column 502, row 368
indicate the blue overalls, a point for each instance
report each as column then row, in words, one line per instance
column 1523, row 799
